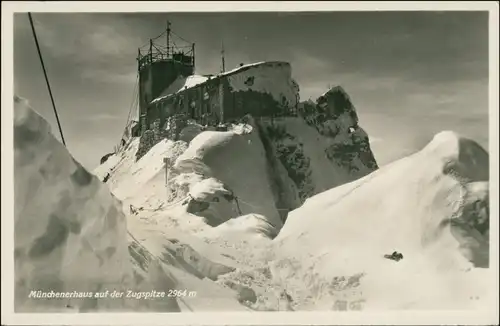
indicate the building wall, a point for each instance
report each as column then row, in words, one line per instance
column 156, row 77
column 263, row 90
column 274, row 78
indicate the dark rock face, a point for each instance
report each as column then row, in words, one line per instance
column 334, row 116
column 145, row 144
column 290, row 153
column 171, row 130
column 245, row 294
column 335, row 103
column 344, row 143
column 105, row 157
column 174, row 126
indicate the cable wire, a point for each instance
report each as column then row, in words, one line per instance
column 134, row 100
column 46, row 78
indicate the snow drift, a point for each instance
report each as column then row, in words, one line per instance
column 431, row 206
column 70, row 232
column 235, row 163
column 216, row 177
column 235, row 253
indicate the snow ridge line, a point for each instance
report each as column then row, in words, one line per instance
column 368, row 179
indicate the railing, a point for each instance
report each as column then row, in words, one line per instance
column 157, row 53
column 149, row 59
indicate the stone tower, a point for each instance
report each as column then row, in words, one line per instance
column 159, row 66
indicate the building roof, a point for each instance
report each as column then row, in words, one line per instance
column 182, row 83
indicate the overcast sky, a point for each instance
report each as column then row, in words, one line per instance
column 409, row 74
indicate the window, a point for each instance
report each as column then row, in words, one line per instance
column 249, row 81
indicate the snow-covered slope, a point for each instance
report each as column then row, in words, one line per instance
column 431, row 207
column 214, row 227
column 265, row 166
column 204, row 178
column 236, row 161
column 70, row 232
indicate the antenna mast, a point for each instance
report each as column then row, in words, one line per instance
column 223, row 60
column 168, row 38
